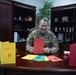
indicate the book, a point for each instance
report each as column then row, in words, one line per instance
column 38, row 46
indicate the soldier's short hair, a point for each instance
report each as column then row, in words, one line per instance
column 44, row 19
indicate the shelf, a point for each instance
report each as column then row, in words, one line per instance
column 21, row 30
column 63, row 24
column 24, row 20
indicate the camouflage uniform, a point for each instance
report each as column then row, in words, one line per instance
column 50, row 40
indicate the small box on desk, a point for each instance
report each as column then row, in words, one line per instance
column 72, row 59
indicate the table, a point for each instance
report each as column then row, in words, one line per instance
column 29, row 67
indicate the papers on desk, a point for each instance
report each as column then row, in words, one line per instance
column 35, row 57
column 54, row 58
column 42, row 58
column 29, row 57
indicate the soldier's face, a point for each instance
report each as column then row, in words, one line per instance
column 43, row 25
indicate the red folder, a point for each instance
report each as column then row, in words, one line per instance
column 72, row 58
column 38, row 46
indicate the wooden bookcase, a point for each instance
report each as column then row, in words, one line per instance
column 63, row 24
column 6, row 11
column 15, row 21
column 24, row 19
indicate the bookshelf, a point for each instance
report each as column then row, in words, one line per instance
column 15, row 21
column 24, row 19
column 63, row 24
column 6, row 16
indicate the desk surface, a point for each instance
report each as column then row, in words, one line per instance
column 34, row 66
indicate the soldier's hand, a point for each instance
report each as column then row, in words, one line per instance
column 31, row 50
column 46, row 50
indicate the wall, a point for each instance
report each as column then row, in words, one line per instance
column 62, row 2
column 37, row 3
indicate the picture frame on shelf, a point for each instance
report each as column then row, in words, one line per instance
column 60, row 37
column 55, row 20
column 67, row 37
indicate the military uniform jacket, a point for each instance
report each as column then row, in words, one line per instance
column 50, row 40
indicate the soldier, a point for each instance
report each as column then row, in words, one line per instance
column 50, row 40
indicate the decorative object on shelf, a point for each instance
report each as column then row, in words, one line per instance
column 17, row 27
column 25, row 18
column 67, row 29
column 65, row 19
column 67, row 37
column 15, row 18
column 28, row 29
column 30, row 18
column 59, row 29
column 56, row 29
column 22, row 40
column 70, row 29
column 56, row 20
column 19, row 17
column 63, row 29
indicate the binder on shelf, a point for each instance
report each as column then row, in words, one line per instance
column 67, row 29
column 63, row 29
column 59, row 29
column 16, row 37
column 56, row 29
column 70, row 29
column 60, row 37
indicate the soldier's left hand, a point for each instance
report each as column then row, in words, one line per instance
column 46, row 50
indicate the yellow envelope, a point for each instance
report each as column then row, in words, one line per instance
column 8, row 53
column 29, row 57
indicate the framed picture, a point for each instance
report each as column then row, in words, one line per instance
column 60, row 37
column 67, row 37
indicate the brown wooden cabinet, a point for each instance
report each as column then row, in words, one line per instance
column 6, row 15
column 24, row 19
column 15, row 21
column 63, row 24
